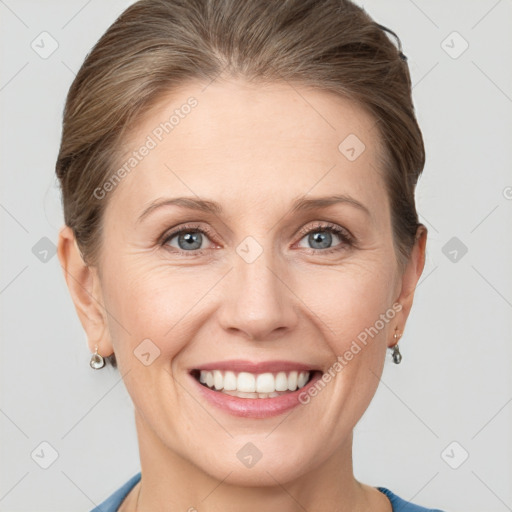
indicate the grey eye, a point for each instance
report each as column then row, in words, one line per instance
column 187, row 240
column 323, row 240
column 318, row 239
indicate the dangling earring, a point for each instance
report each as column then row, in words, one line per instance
column 97, row 360
column 397, row 357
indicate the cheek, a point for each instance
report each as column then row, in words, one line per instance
column 152, row 301
column 350, row 298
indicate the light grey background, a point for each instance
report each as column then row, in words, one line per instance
column 454, row 383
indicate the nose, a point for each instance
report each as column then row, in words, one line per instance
column 258, row 302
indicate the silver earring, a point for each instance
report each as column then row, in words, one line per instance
column 397, row 357
column 97, row 360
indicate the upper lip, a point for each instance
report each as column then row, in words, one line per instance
column 239, row 365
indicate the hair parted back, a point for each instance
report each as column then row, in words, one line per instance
column 155, row 46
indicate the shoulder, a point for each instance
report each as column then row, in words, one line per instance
column 112, row 503
column 401, row 505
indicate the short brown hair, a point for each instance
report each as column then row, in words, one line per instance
column 157, row 45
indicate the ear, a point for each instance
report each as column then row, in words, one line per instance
column 410, row 278
column 84, row 286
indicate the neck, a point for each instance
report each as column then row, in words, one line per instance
column 170, row 482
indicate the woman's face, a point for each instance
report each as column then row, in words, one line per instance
column 263, row 275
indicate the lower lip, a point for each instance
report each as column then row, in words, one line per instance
column 255, row 407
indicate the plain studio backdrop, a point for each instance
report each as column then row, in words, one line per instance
column 438, row 431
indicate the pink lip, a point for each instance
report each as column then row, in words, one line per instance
column 239, row 365
column 254, row 407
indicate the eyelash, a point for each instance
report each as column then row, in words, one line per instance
column 345, row 236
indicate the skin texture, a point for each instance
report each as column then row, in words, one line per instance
column 254, row 149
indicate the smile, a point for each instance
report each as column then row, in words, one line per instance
column 253, row 390
column 251, row 385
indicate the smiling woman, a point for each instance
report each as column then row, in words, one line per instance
column 241, row 240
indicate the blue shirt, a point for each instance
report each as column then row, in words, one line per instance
column 112, row 503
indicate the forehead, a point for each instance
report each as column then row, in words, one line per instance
column 250, row 144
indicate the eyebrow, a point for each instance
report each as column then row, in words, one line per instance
column 298, row 205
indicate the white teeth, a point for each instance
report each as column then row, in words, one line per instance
column 241, row 394
column 246, row 382
column 292, row 381
column 281, row 382
column 229, row 381
column 265, row 383
column 217, row 379
column 249, row 385
column 301, row 380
